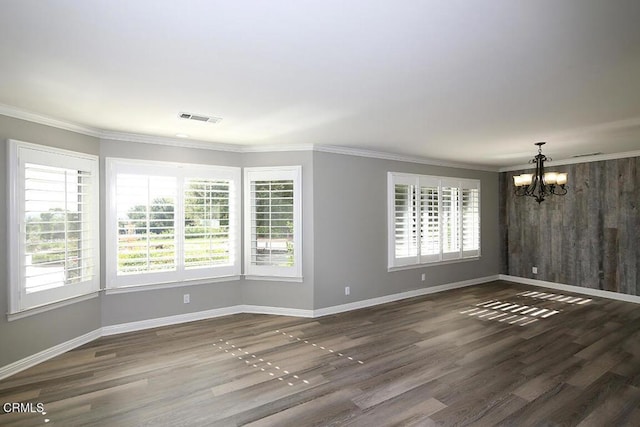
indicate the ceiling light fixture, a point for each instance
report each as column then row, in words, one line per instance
column 540, row 184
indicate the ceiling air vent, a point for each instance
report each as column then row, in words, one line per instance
column 199, row 118
column 586, row 155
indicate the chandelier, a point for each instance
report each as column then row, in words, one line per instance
column 540, row 184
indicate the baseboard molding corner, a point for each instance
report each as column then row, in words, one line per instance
column 327, row 311
column 44, row 355
column 572, row 288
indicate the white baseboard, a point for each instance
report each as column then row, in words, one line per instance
column 280, row 311
column 44, row 355
column 169, row 320
column 399, row 296
column 572, row 288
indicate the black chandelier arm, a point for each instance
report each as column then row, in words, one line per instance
column 558, row 190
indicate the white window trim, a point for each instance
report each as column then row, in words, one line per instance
column 19, row 302
column 395, row 264
column 180, row 276
column 252, row 272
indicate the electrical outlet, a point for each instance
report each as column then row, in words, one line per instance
column 534, row 270
column 186, row 298
column 347, row 290
column 423, row 277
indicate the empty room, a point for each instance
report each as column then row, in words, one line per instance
column 314, row 213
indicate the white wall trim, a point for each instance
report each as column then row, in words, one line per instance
column 106, row 136
column 399, row 296
column 273, row 148
column 169, row 320
column 350, row 151
column 574, row 160
column 44, row 308
column 571, row 288
column 44, row 355
column 16, row 113
column 279, row 311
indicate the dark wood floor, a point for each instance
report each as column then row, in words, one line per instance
column 494, row 354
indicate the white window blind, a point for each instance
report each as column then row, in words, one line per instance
column 207, row 226
column 471, row 221
column 432, row 219
column 406, row 244
column 146, row 223
column 55, row 250
column 273, row 221
column 171, row 222
column 429, row 222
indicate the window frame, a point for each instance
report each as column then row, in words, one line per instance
column 269, row 272
column 19, row 154
column 181, row 172
column 417, row 182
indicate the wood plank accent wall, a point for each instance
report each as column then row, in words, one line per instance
column 588, row 238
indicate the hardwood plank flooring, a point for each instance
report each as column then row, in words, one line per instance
column 494, row 354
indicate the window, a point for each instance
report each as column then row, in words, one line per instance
column 171, row 222
column 273, row 222
column 432, row 219
column 53, row 225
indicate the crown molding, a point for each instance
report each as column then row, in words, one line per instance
column 270, row 148
column 106, row 135
column 335, row 149
column 9, row 111
column 573, row 161
column 163, row 140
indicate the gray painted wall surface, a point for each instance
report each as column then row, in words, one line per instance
column 350, row 230
column 288, row 294
column 23, row 337
column 588, row 238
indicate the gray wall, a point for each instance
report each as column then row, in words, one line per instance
column 23, row 337
column 344, row 241
column 350, row 230
column 288, row 294
column 588, row 238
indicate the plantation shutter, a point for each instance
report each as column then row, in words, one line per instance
column 146, row 223
column 432, row 219
column 273, row 223
column 207, row 227
column 57, row 210
column 470, row 219
column 450, row 220
column 429, row 219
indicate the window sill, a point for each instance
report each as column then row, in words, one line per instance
column 167, row 285
column 44, row 308
column 433, row 264
column 275, row 278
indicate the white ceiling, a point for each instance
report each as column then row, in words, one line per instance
column 466, row 81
